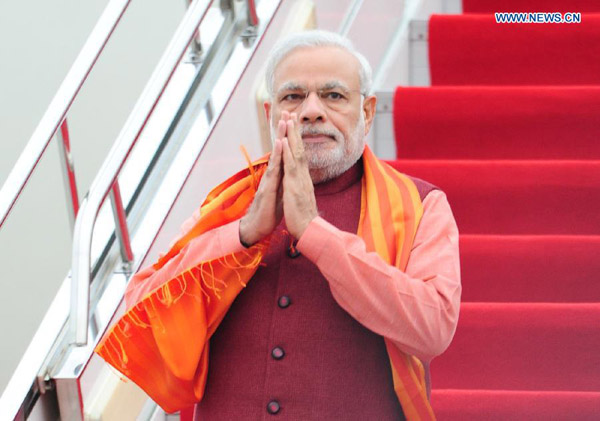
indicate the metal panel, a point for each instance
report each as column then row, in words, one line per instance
column 452, row 7
column 384, row 144
column 419, row 53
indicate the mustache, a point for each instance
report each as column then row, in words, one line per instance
column 311, row 130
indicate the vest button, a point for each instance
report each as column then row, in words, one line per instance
column 273, row 407
column 277, row 353
column 284, row 301
column 292, row 251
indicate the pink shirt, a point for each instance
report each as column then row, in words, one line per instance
column 417, row 309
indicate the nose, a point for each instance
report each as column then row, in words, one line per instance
column 312, row 110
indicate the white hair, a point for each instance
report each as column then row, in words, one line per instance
column 316, row 38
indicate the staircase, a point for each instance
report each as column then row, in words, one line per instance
column 510, row 130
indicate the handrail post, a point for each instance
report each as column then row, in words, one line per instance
column 252, row 15
column 196, row 44
column 68, row 168
column 81, row 275
column 121, row 224
column 249, row 33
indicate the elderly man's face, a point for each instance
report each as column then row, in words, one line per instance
column 321, row 85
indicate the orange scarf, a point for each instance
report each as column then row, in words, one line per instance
column 161, row 342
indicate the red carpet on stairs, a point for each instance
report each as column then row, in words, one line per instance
column 461, row 122
column 502, row 405
column 530, row 268
column 475, row 50
column 523, row 346
column 510, row 130
column 516, row 197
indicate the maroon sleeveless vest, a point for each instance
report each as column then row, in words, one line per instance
column 287, row 349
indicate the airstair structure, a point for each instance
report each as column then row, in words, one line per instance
column 525, row 199
column 59, row 376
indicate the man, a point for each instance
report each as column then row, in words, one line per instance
column 350, row 269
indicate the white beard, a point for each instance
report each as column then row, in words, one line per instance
column 325, row 162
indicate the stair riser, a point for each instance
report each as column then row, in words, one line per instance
column 493, row 405
column 530, row 268
column 460, row 52
column 517, row 197
column 523, row 347
column 497, row 123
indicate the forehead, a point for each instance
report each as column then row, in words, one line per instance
column 315, row 66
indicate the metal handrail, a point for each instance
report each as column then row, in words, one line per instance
column 59, row 107
column 349, row 17
column 410, row 11
column 107, row 176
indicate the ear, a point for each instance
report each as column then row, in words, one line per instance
column 369, row 106
column 267, row 107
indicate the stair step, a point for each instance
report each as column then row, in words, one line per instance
column 516, row 197
column 492, row 405
column 529, row 346
column 466, row 122
column 475, row 50
column 500, row 268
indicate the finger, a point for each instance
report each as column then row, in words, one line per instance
column 295, row 140
column 271, row 180
column 299, row 142
column 277, row 155
column 274, row 167
column 281, row 128
column 288, row 159
column 272, row 154
column 290, row 134
column 294, row 117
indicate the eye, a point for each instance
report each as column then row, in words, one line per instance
column 292, row 97
column 333, row 95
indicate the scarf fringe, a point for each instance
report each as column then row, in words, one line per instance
column 111, row 348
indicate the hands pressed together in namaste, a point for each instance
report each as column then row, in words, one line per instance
column 286, row 189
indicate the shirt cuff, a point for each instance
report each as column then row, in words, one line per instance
column 315, row 238
column 228, row 238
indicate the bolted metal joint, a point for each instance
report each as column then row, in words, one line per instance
column 250, row 32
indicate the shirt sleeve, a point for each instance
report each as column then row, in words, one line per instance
column 211, row 245
column 417, row 309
